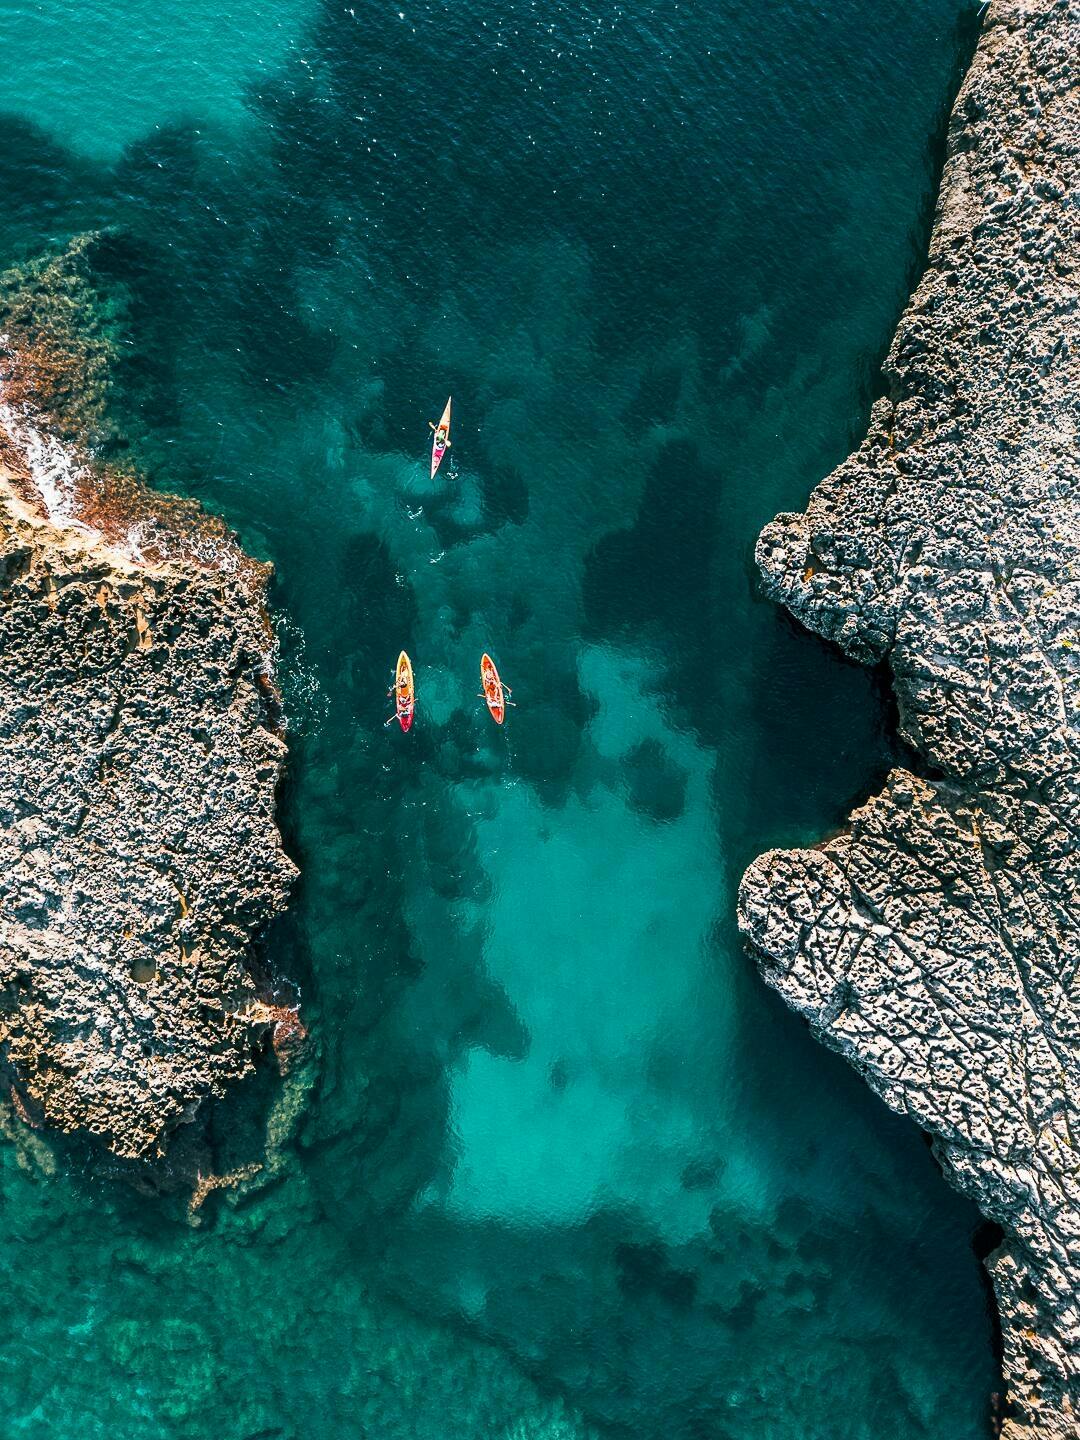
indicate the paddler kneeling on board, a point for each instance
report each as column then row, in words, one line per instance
column 441, row 436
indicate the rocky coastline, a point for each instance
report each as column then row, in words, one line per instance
column 936, row 943
column 141, row 744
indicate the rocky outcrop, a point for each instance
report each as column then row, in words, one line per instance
column 140, row 749
column 936, row 944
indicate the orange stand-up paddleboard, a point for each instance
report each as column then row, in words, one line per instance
column 493, row 689
column 404, row 693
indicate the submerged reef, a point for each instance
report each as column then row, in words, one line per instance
column 140, row 750
column 936, row 944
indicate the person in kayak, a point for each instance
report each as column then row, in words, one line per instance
column 402, row 712
column 403, row 704
column 441, row 437
column 506, row 693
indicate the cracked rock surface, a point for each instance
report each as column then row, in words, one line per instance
column 140, row 749
column 936, row 944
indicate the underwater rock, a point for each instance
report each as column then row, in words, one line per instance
column 936, row 944
column 140, row 750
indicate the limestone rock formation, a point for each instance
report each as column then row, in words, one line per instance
column 140, row 750
column 936, row 944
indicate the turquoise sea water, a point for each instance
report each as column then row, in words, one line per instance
column 568, row 1168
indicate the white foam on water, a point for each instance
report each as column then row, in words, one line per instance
column 54, row 468
column 56, row 472
column 132, row 538
column 215, row 552
column 304, row 701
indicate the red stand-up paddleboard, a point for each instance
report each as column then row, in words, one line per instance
column 404, row 693
column 493, row 689
column 441, row 439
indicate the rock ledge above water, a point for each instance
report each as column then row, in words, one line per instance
column 936, row 944
column 140, row 751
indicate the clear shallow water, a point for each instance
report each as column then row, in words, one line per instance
column 568, row 1168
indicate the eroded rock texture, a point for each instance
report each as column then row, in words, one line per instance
column 140, row 749
column 936, row 945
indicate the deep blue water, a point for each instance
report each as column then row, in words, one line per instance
column 567, row 1168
